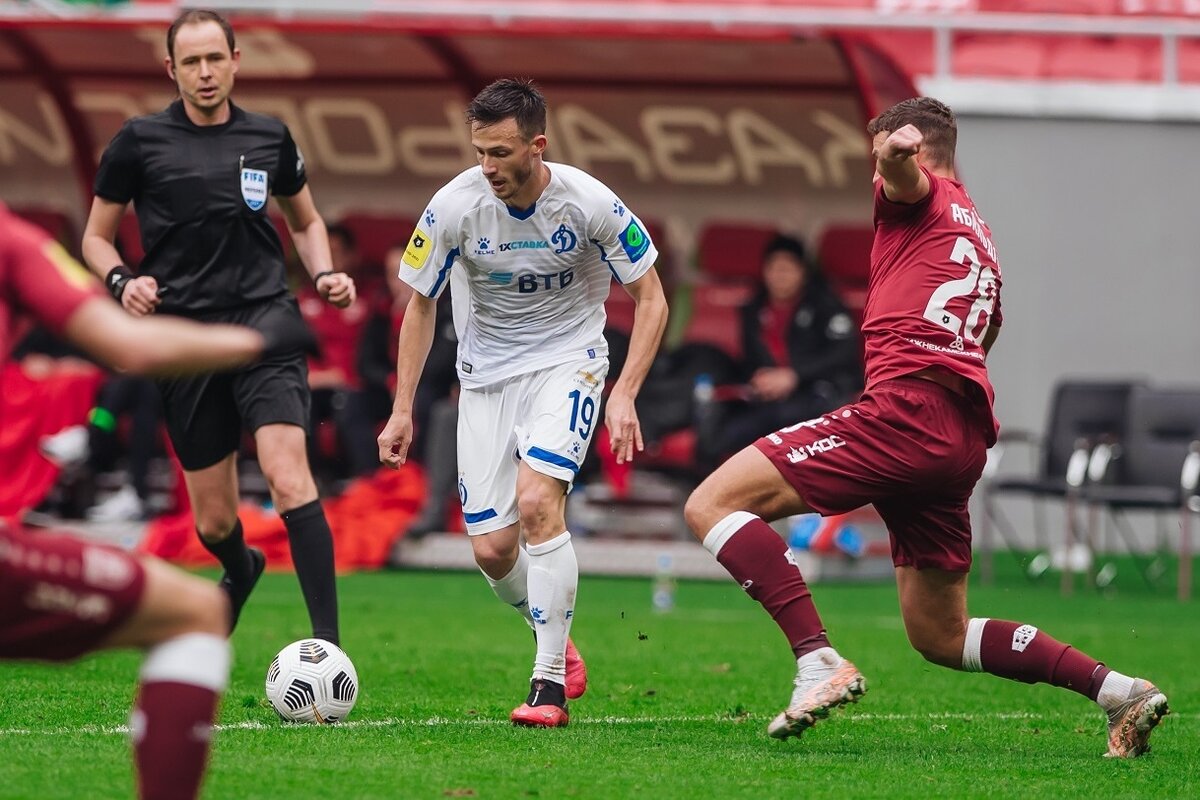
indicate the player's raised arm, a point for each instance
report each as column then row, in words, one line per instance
column 649, row 322
column 311, row 238
column 416, row 337
column 896, row 163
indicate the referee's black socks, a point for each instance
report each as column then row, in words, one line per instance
column 312, row 553
column 233, row 555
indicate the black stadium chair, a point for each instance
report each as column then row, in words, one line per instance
column 1155, row 468
column 1082, row 414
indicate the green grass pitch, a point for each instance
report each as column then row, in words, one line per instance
column 676, row 707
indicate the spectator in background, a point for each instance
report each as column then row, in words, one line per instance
column 98, row 445
column 801, row 354
column 333, row 375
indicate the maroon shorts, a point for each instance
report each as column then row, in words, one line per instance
column 61, row 596
column 912, row 448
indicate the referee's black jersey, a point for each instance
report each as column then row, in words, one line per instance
column 200, row 193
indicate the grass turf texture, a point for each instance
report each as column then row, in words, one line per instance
column 677, row 703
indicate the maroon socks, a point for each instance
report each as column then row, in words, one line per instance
column 758, row 559
column 1024, row 653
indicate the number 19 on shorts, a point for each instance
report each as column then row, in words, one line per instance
column 583, row 414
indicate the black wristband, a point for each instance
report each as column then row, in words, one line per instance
column 319, row 275
column 116, row 280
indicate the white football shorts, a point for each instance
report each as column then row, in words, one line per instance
column 545, row 418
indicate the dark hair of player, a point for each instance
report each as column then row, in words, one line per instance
column 514, row 98
column 193, row 16
column 932, row 118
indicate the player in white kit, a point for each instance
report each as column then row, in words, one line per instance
column 532, row 248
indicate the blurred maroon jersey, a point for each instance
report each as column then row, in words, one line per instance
column 39, row 281
column 934, row 290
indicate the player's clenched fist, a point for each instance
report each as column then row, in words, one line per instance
column 900, row 144
column 337, row 288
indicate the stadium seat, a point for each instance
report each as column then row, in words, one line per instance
column 714, row 316
column 620, row 306
column 1157, row 468
column 732, row 252
column 1103, row 58
column 378, row 233
column 1082, row 414
column 844, row 253
column 1105, row 7
column 1189, row 60
column 999, row 56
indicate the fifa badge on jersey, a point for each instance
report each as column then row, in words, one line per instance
column 254, row 188
column 634, row 241
column 417, row 252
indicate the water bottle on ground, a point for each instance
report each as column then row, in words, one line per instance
column 663, row 597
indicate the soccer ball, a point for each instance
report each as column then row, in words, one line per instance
column 312, row 680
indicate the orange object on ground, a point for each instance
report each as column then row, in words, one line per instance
column 366, row 521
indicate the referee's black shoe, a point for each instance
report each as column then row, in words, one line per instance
column 238, row 595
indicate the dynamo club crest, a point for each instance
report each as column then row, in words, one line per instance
column 254, row 188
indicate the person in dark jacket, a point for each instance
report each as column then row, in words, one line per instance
column 801, row 354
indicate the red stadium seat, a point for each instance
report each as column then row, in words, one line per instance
column 732, row 252
column 714, row 316
column 378, row 233
column 999, row 56
column 619, row 307
column 1103, row 58
column 845, row 255
column 1189, row 60
column 1106, row 7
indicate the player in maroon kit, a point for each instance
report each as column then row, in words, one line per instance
column 914, row 445
column 61, row 597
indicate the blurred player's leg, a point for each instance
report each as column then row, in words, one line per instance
column 213, row 494
column 181, row 621
column 283, row 456
column 934, row 606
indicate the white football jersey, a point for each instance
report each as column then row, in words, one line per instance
column 536, row 280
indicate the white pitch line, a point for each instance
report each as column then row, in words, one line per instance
column 440, row 722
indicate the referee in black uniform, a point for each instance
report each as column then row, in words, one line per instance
column 199, row 175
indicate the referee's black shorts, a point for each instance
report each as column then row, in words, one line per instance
column 206, row 414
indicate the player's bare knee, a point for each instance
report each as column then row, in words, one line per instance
column 291, row 488
column 701, row 511
column 215, row 526
column 536, row 503
column 493, row 557
column 937, row 646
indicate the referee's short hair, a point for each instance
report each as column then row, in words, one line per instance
column 193, row 16
column 516, row 98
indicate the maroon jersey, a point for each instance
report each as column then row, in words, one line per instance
column 934, row 289
column 38, row 281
